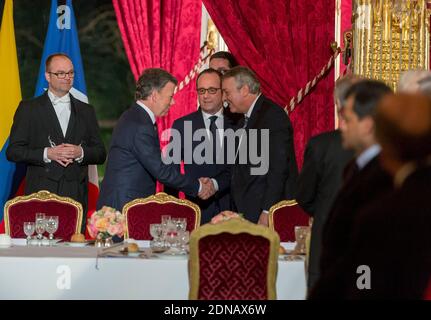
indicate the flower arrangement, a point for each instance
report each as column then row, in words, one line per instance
column 225, row 215
column 106, row 222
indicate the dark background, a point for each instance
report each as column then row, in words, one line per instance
column 110, row 83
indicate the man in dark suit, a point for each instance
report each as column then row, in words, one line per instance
column 56, row 136
column 256, row 186
column 365, row 180
column 391, row 236
column 223, row 61
column 134, row 159
column 321, row 177
column 209, row 117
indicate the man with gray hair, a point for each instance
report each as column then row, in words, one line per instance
column 134, row 159
column 254, row 194
column 321, row 177
column 410, row 81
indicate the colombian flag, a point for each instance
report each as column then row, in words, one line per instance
column 10, row 96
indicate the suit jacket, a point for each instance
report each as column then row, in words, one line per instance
column 35, row 124
column 391, row 236
column 252, row 193
column 134, row 163
column 318, row 184
column 220, row 172
column 369, row 184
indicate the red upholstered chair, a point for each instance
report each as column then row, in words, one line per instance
column 233, row 260
column 140, row 213
column 24, row 208
column 285, row 216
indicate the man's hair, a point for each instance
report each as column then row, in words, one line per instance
column 403, row 121
column 244, row 76
column 227, row 56
column 152, row 79
column 52, row 56
column 425, row 86
column 342, row 85
column 209, row 71
column 409, row 80
column 367, row 94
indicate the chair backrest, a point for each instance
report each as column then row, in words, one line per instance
column 142, row 212
column 284, row 216
column 233, row 260
column 24, row 208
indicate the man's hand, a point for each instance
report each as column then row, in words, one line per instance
column 207, row 190
column 72, row 151
column 59, row 155
column 263, row 219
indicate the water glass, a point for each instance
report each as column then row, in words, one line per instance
column 29, row 230
column 40, row 225
column 51, row 226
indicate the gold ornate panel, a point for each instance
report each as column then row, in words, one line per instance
column 390, row 36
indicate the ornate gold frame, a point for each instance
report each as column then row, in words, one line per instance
column 233, row 226
column 275, row 207
column 162, row 198
column 389, row 39
column 43, row 196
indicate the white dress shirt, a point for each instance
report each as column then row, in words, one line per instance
column 219, row 122
column 62, row 109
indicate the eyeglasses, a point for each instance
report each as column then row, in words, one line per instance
column 201, row 91
column 62, row 75
column 222, row 70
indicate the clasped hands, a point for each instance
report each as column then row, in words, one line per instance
column 64, row 154
column 207, row 190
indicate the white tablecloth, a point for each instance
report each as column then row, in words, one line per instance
column 76, row 273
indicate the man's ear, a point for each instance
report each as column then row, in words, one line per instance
column 245, row 90
column 368, row 122
column 47, row 76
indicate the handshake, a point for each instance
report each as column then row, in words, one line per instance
column 207, row 189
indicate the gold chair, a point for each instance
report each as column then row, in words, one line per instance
column 142, row 212
column 284, row 216
column 233, row 260
column 24, row 208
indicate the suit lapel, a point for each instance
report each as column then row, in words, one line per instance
column 51, row 121
column 70, row 132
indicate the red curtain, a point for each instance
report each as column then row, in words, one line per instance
column 163, row 34
column 286, row 42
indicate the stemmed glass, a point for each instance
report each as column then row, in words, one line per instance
column 184, row 240
column 156, row 232
column 40, row 225
column 51, row 226
column 29, row 230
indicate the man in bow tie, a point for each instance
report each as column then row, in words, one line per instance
column 56, row 136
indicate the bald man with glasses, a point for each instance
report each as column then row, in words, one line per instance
column 56, row 136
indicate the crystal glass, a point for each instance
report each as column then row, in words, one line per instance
column 29, row 230
column 184, row 237
column 40, row 225
column 156, row 232
column 51, row 226
column 171, row 234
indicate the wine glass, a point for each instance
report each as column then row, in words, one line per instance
column 40, row 225
column 51, row 226
column 29, row 230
